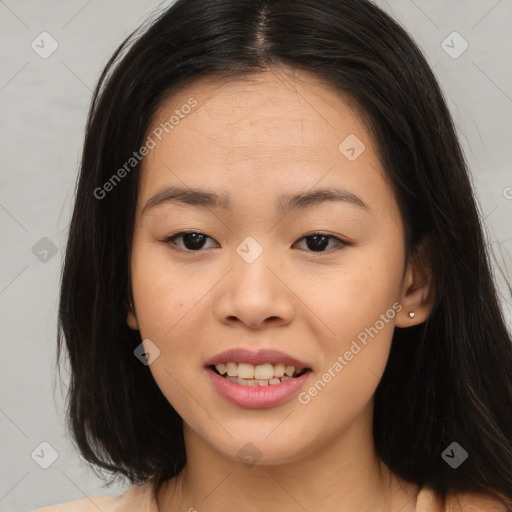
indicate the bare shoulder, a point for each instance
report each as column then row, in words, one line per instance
column 473, row 502
column 429, row 501
column 134, row 499
column 104, row 503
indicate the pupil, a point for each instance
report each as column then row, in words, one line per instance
column 193, row 241
column 320, row 242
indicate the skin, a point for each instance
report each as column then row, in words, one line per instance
column 274, row 133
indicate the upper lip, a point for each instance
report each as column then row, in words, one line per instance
column 255, row 357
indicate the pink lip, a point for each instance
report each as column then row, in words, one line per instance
column 262, row 356
column 257, row 397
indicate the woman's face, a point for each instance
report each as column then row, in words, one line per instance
column 258, row 279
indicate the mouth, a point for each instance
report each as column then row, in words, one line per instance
column 261, row 375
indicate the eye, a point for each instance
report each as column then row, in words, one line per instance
column 317, row 242
column 195, row 241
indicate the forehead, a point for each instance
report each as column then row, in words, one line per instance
column 278, row 109
column 281, row 125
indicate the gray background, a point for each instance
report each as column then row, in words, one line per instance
column 43, row 105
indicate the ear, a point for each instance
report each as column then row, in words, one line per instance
column 131, row 318
column 418, row 289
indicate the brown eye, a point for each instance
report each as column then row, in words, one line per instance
column 192, row 240
column 318, row 242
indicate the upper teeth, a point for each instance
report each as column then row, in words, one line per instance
column 259, row 372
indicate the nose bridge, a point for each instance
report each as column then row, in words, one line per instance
column 253, row 292
column 251, row 265
column 250, row 250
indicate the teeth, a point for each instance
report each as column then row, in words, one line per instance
column 255, row 382
column 245, row 371
column 260, row 375
column 263, row 371
column 232, row 369
column 279, row 370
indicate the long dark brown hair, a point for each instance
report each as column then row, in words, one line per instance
column 447, row 380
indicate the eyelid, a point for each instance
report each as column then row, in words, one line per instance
column 340, row 242
column 169, row 240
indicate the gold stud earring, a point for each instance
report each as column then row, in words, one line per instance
column 412, row 314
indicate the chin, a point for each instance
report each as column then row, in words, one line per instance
column 261, row 451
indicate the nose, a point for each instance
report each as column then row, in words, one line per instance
column 257, row 294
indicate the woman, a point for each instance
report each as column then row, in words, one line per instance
column 276, row 292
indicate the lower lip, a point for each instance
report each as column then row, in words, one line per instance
column 257, row 397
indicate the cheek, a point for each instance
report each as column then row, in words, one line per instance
column 364, row 287
column 358, row 304
column 361, row 314
column 163, row 293
column 168, row 314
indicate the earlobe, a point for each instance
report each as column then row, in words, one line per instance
column 418, row 290
column 131, row 318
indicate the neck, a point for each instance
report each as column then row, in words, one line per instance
column 343, row 474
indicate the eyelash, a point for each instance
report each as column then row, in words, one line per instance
column 170, row 241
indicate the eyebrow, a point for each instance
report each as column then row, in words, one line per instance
column 208, row 199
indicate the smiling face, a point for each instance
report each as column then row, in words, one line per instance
column 256, row 277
